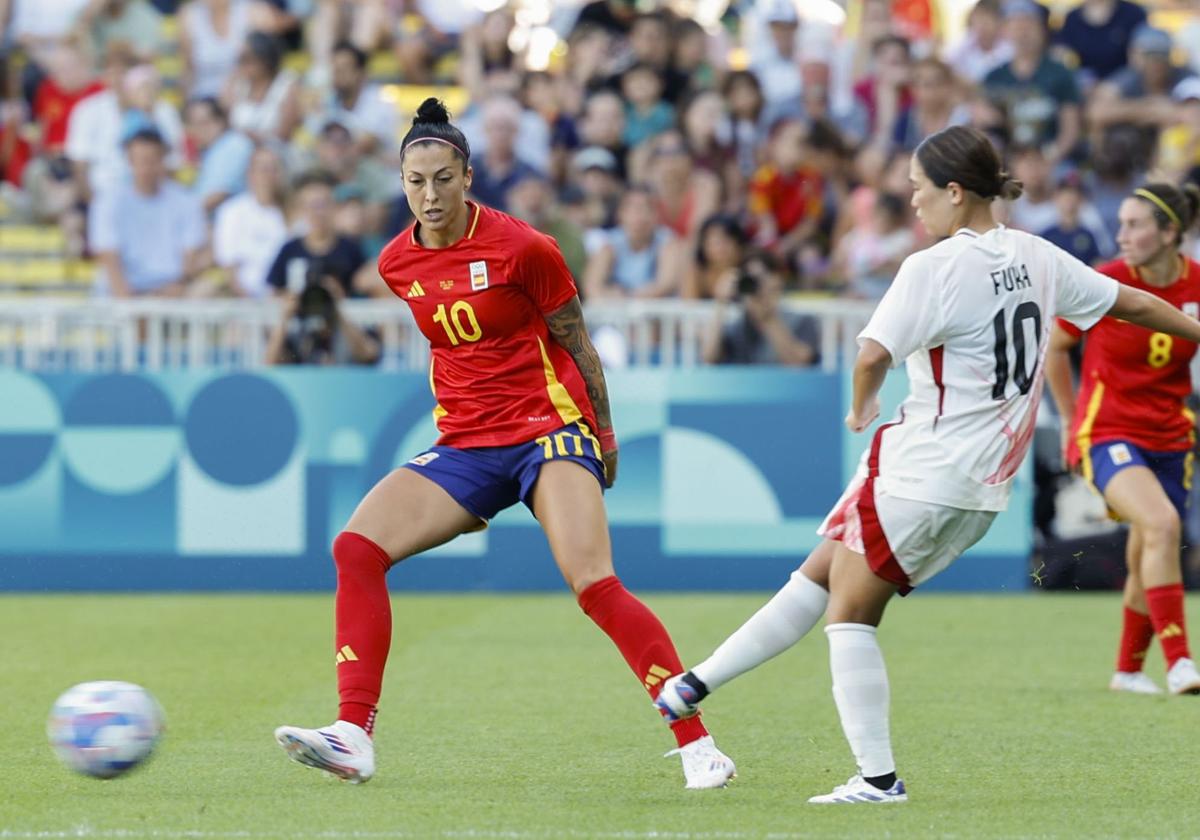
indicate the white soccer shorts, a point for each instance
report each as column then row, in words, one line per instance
column 906, row 542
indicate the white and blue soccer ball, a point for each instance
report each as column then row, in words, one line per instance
column 105, row 728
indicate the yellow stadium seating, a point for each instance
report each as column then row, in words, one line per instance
column 407, row 98
column 31, row 239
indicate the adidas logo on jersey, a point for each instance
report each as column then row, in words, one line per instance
column 415, row 290
column 346, row 654
column 1171, row 631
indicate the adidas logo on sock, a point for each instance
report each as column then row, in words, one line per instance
column 657, row 674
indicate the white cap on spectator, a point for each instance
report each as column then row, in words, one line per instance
column 1147, row 39
column 1016, row 8
column 1189, row 88
column 335, row 122
column 779, row 11
column 594, row 157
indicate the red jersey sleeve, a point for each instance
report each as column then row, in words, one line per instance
column 1069, row 328
column 540, row 270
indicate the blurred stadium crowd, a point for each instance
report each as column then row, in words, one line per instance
column 690, row 149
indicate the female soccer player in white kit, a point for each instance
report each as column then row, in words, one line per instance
column 971, row 317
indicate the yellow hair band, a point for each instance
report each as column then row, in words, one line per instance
column 1160, row 204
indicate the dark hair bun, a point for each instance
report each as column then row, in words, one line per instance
column 1010, row 189
column 432, row 110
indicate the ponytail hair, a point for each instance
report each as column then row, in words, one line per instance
column 432, row 125
column 967, row 157
column 1172, row 205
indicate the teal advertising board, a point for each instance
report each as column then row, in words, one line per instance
column 205, row 480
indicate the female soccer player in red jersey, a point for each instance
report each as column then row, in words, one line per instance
column 522, row 408
column 1131, row 433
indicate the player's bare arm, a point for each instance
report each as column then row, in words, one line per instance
column 567, row 326
column 1146, row 310
column 870, row 369
column 1058, row 379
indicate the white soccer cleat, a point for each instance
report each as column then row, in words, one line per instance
column 704, row 766
column 342, row 749
column 1135, row 682
column 1183, row 678
column 677, row 700
column 858, row 791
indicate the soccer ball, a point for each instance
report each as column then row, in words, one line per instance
column 102, row 729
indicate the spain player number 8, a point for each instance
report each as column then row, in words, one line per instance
column 1022, row 376
column 454, row 325
column 1160, row 349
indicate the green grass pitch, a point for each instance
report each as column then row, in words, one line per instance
column 513, row 717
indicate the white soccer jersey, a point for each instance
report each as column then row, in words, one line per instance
column 971, row 316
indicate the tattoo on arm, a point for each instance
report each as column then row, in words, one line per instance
column 567, row 326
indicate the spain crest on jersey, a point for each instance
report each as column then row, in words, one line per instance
column 479, row 276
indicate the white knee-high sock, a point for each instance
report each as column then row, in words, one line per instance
column 782, row 621
column 860, row 689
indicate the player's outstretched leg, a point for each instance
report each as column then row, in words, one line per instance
column 780, row 623
column 647, row 647
column 568, row 504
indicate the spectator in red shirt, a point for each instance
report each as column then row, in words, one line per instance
column 70, row 79
column 787, row 193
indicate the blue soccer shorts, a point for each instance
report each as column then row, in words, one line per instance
column 486, row 480
column 1173, row 469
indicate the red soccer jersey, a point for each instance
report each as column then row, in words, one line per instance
column 52, row 107
column 498, row 377
column 790, row 198
column 1134, row 381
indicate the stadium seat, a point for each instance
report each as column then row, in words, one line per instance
column 383, row 66
column 170, row 66
column 297, row 62
column 31, row 239
column 407, row 98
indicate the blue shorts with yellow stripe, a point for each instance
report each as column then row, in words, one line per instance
column 486, row 480
column 1172, row 469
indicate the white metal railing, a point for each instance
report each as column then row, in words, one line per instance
column 154, row 334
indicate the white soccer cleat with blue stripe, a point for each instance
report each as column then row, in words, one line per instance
column 704, row 766
column 342, row 749
column 858, row 791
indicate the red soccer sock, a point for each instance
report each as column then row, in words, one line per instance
column 642, row 640
column 363, row 617
column 1166, row 611
column 1137, row 632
